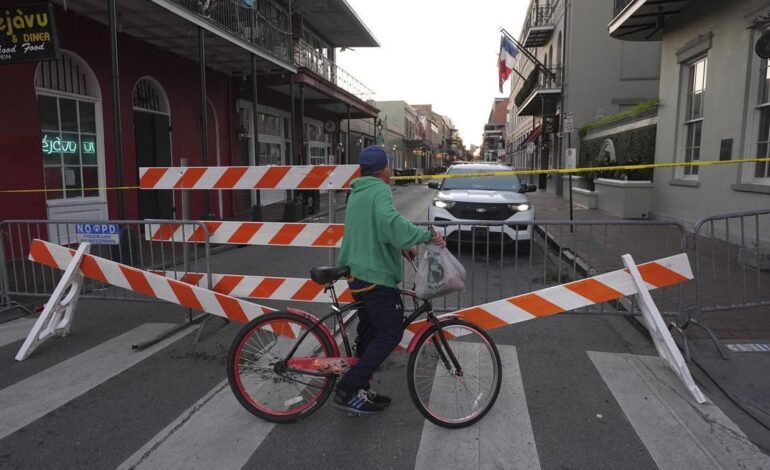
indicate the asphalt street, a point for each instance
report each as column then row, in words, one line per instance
column 88, row 401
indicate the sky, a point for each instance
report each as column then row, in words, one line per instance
column 436, row 52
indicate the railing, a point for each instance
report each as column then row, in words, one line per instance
column 539, row 15
column 245, row 22
column 538, row 80
column 620, row 5
column 307, row 57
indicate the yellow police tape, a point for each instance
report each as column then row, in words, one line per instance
column 644, row 166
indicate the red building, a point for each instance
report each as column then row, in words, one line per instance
column 58, row 130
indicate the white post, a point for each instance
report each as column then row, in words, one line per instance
column 56, row 318
column 664, row 342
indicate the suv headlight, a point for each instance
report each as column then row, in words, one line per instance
column 520, row 207
column 442, row 204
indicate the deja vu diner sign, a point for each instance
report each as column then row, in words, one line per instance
column 27, row 34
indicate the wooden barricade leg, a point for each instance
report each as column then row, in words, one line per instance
column 664, row 342
column 57, row 315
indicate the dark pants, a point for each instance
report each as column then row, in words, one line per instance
column 380, row 328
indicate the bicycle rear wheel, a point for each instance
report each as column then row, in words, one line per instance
column 444, row 395
column 267, row 390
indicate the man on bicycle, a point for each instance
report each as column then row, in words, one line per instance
column 376, row 236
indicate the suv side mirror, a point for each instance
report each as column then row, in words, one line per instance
column 531, row 188
column 433, row 185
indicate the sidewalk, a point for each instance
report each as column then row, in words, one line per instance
column 744, row 333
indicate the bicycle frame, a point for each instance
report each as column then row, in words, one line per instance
column 338, row 365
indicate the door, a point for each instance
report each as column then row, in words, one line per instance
column 153, row 148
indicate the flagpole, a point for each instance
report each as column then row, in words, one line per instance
column 529, row 55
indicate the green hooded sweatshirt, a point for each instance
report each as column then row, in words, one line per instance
column 375, row 233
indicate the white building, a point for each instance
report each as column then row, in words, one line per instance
column 714, row 102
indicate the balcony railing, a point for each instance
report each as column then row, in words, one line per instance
column 620, row 5
column 245, row 22
column 539, row 26
column 307, row 57
column 540, row 15
column 537, row 80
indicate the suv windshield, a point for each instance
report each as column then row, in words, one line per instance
column 489, row 183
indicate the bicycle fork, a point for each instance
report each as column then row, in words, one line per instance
column 445, row 344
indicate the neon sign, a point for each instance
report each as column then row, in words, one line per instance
column 57, row 145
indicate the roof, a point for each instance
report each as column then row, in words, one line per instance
column 336, row 21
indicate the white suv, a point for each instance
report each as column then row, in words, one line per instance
column 483, row 199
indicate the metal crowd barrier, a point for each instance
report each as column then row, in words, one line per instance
column 24, row 282
column 732, row 261
column 543, row 253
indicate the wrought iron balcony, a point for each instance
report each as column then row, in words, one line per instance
column 539, row 93
column 539, row 26
column 244, row 22
column 620, row 5
column 642, row 20
column 307, row 57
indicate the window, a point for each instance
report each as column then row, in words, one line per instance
column 269, row 125
column 67, row 104
column 270, row 154
column 762, row 169
column 693, row 123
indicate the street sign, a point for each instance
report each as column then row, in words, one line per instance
column 569, row 124
column 98, row 234
column 570, row 160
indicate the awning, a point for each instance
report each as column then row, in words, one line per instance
column 532, row 136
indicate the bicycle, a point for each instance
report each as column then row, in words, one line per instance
column 282, row 366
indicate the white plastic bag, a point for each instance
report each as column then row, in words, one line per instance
column 439, row 274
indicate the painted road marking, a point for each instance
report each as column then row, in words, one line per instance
column 216, row 432
column 15, row 330
column 502, row 439
column 749, row 347
column 24, row 402
column 677, row 432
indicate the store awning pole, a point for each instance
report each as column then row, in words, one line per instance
column 118, row 139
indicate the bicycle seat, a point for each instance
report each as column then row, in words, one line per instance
column 327, row 275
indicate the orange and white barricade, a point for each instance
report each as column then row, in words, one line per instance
column 249, row 177
column 634, row 280
column 319, row 235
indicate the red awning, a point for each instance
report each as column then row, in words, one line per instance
column 532, row 135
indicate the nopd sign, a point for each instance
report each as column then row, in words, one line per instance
column 98, row 234
column 28, row 34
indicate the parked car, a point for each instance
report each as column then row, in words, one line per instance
column 483, row 199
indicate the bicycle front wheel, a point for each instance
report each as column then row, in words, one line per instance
column 448, row 396
column 256, row 375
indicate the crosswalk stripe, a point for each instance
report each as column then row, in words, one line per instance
column 502, row 439
column 15, row 330
column 216, row 432
column 24, row 402
column 677, row 432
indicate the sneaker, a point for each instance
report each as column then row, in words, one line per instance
column 359, row 403
column 378, row 399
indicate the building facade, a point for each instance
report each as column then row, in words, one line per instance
column 493, row 146
column 714, row 103
column 62, row 120
column 586, row 74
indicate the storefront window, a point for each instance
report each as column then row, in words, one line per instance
column 270, row 154
column 69, row 147
column 269, row 125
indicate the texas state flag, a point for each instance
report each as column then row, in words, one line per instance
column 506, row 59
